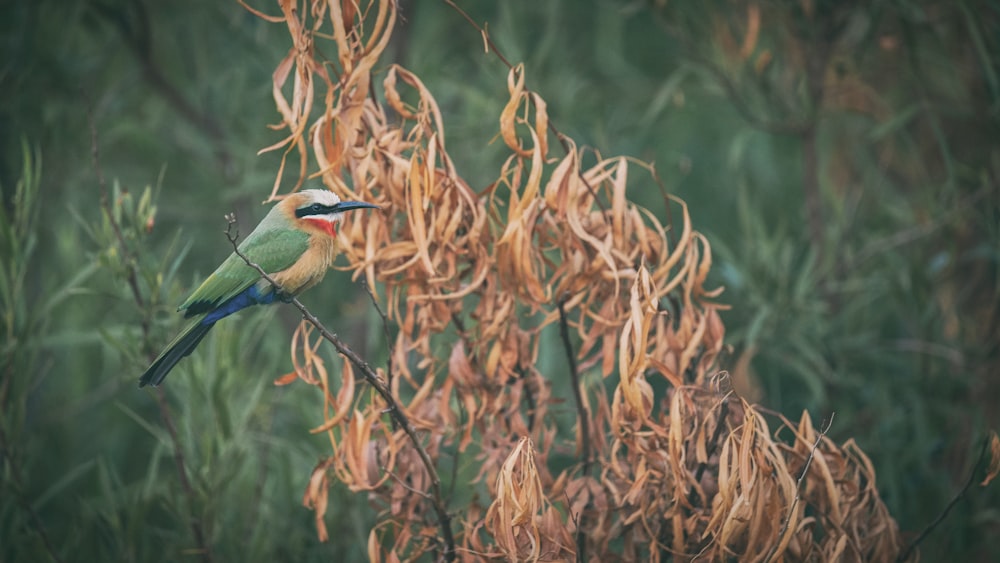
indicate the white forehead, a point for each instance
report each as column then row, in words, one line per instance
column 322, row 197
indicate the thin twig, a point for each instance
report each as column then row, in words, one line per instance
column 666, row 203
column 486, row 36
column 385, row 331
column 798, row 487
column 551, row 124
column 581, row 408
column 403, row 484
column 529, row 397
column 583, row 417
column 381, row 387
column 132, row 276
column 713, row 445
column 944, row 513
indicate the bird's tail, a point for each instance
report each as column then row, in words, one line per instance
column 185, row 342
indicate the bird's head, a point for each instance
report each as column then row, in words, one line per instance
column 319, row 209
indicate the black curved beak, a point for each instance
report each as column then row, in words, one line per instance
column 349, row 205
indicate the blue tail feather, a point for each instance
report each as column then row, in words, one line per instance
column 189, row 338
column 249, row 297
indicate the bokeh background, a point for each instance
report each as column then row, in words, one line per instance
column 843, row 159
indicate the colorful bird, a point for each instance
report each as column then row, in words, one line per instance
column 294, row 244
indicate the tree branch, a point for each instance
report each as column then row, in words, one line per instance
column 798, row 488
column 132, row 276
column 944, row 513
column 385, row 331
column 581, row 409
column 583, row 417
column 381, row 387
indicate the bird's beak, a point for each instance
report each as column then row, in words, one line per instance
column 349, row 205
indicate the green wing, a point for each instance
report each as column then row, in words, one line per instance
column 272, row 249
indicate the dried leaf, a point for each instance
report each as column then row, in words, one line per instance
column 993, row 467
column 471, row 279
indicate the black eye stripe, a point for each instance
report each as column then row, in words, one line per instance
column 315, row 209
column 339, row 207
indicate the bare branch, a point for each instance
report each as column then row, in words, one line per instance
column 798, row 487
column 944, row 513
column 380, row 386
column 132, row 276
column 385, row 330
column 583, row 416
column 583, row 419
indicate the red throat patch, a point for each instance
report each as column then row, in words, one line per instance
column 328, row 227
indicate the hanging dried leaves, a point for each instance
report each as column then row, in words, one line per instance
column 477, row 284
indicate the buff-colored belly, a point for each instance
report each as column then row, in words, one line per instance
column 310, row 268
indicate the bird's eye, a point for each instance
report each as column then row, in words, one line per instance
column 317, row 208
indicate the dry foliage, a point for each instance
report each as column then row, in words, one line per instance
column 663, row 462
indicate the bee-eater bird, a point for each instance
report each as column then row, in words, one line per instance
column 294, row 244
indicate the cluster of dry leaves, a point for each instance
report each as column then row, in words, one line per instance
column 635, row 450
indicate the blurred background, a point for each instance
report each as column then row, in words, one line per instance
column 843, row 159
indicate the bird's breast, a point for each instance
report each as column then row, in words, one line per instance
column 310, row 268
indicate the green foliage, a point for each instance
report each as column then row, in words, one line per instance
column 21, row 327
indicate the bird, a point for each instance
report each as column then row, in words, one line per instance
column 294, row 243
